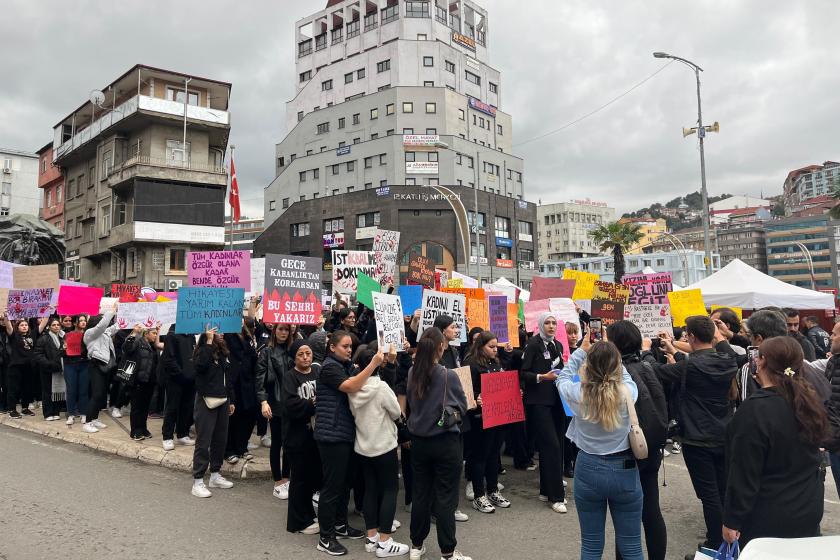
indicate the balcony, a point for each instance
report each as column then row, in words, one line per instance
column 390, row 14
column 175, row 170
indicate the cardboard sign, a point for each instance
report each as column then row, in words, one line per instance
column 648, row 289
column 421, row 271
column 219, row 269
column 545, row 288
column 533, row 310
column 584, row 283
column 466, row 281
column 390, row 328
column 441, row 278
column 346, row 268
column 385, row 270
column 498, row 317
column 455, row 283
column 478, row 314
column 470, row 294
column 78, row 300
column 608, row 311
column 126, row 292
column 365, row 287
column 386, row 240
column 7, row 274
column 439, row 303
column 29, row 304
column 685, row 304
column 201, row 308
column 147, row 314
column 39, row 276
column 411, row 298
column 737, row 310
column 651, row 319
column 501, row 399
column 611, row 292
column 258, row 276
column 292, row 290
column 513, row 324
column 106, row 305
column 465, row 376
column 564, row 310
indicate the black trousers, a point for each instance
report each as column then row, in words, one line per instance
column 408, row 474
column 279, row 469
column 141, row 398
column 211, row 425
column 304, row 480
column 518, row 446
column 707, row 470
column 381, row 487
column 262, row 425
column 178, row 417
column 437, row 474
column 485, row 446
column 338, row 462
column 48, row 407
column 239, row 431
column 158, row 399
column 14, row 379
column 548, row 424
column 656, row 533
column 99, row 380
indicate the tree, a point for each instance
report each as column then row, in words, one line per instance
column 617, row 238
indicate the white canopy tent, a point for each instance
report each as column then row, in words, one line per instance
column 740, row 285
column 505, row 286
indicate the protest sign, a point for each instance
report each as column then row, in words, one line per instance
column 146, row 313
column 533, row 310
column 737, row 310
column 610, row 292
column 7, row 274
column 385, row 267
column 563, row 338
column 29, row 304
column 455, row 283
column 219, row 269
column 584, row 283
column 466, row 281
column 608, row 311
column 545, row 288
column 497, row 306
column 386, row 240
column 478, row 314
column 199, row 309
column 126, row 292
column 292, row 290
column 501, row 399
column 257, row 276
column 365, row 287
column 564, row 311
column 648, row 289
column 439, row 303
column 513, row 324
column 39, row 276
column 421, row 271
column 441, row 278
column 468, row 293
column 651, row 319
column 512, row 292
column 390, row 328
column 106, row 305
column 4, row 299
column 346, row 268
column 78, row 300
column 411, row 298
column 684, row 304
column 465, row 376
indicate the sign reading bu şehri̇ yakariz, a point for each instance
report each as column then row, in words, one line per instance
column 219, row 269
column 292, row 290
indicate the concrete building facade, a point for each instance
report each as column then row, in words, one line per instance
column 786, row 259
column 747, row 242
column 51, row 183
column 243, row 233
column 651, row 228
column 809, row 182
column 137, row 197
column 19, row 192
column 563, row 228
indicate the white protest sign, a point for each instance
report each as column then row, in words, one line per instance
column 467, row 281
column 390, row 328
column 564, row 310
column 651, row 319
column 146, row 313
column 386, row 240
column 257, row 276
column 346, row 268
column 440, row 303
column 106, row 304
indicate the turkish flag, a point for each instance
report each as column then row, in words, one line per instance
column 233, row 198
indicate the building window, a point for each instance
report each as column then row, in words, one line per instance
column 526, row 228
column 493, row 87
column 408, row 107
column 368, row 162
column 177, row 260
column 382, row 159
column 352, row 30
column 300, row 230
column 461, row 114
column 105, row 220
column 48, row 194
column 374, row 136
column 499, row 129
column 58, row 194
column 356, row 118
column 335, row 169
column 390, row 14
column 341, row 122
column 428, row 61
column 502, row 227
column 315, row 173
column 177, row 154
column 428, row 84
column 409, row 156
column 450, row 66
column 356, row 140
column 306, row 76
column 360, row 73
column 323, row 128
column 431, row 131
column 389, row 109
column 433, row 156
column 383, row 183
column 175, row 94
column 348, row 78
column 351, row 166
column 408, row 131
column 431, row 107
column 417, row 9
column 383, row 66
column 304, row 48
column 374, row 113
column 302, row 176
column 389, row 132
column 326, row 85
column 410, row 181
column 367, row 220
column 472, row 78
column 272, row 205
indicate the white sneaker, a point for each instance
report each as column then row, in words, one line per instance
column 218, row 481
column 372, row 544
column 116, row 413
column 168, row 445
column 500, row 486
column 461, row 516
column 199, row 490
column 313, row 529
column 390, row 548
column 666, row 453
column 252, row 446
column 98, row 424
column 416, row 553
column 186, row 440
column 396, row 525
column 457, row 556
column 559, row 507
column 483, row 505
column 498, row 500
column 265, row 441
column 70, row 421
column 282, row 491
column 89, row 428
column 84, row 419
column 53, row 418
column 565, row 485
column 469, row 491
column 543, row 498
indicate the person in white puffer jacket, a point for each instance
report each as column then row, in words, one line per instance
column 376, row 409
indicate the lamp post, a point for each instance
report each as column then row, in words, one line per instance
column 701, row 133
column 809, row 261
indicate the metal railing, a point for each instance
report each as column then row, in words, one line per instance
column 169, row 163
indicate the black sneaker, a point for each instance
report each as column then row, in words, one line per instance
column 348, row 532
column 14, row 414
column 331, row 547
column 147, row 434
column 27, row 412
column 138, row 437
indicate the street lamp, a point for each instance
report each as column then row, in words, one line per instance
column 701, row 133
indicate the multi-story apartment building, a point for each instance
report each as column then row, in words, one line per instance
column 563, row 228
column 651, row 228
column 743, row 241
column 689, row 238
column 243, row 233
column 720, row 211
column 796, row 247
column 51, row 183
column 394, row 92
column 809, row 182
column 19, row 192
column 145, row 176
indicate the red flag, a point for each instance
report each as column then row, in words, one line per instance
column 233, row 198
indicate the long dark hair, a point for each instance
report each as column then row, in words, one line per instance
column 220, row 349
column 475, row 354
column 784, row 358
column 429, row 351
column 272, row 341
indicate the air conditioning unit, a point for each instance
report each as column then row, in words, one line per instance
column 172, row 285
column 7, row 170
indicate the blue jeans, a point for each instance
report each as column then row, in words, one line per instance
column 78, row 387
column 835, row 469
column 602, row 481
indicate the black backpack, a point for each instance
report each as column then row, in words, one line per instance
column 651, row 405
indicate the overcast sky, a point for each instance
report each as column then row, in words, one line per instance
column 770, row 78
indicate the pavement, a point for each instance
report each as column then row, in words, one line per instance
column 71, row 500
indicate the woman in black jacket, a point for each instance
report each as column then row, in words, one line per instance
column 214, row 403
column 774, row 487
column 20, row 370
column 544, row 410
column 243, row 362
column 47, row 356
column 143, row 348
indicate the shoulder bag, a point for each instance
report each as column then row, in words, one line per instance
column 449, row 416
column 216, row 402
column 127, row 373
column 637, row 437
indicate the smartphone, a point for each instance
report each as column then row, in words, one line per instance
column 752, row 352
column 595, row 326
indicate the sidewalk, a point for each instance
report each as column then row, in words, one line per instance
column 115, row 440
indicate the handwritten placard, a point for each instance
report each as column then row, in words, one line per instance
column 258, row 276
column 346, row 268
column 146, row 313
column 651, row 319
column 455, row 283
column 648, row 289
column 608, row 311
column 390, row 328
column 126, row 293
column 201, row 308
column 584, row 282
column 478, row 314
column 292, row 290
column 28, row 304
column 497, row 306
column 513, row 324
column 438, row 303
column 501, row 399
column 38, row 276
column 219, row 269
column 685, row 304
column 609, row 291
column 7, row 274
column 421, row 271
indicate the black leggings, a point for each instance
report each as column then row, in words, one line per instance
column 305, row 480
column 15, row 393
column 437, row 472
column 279, row 470
column 381, row 486
column 99, row 378
column 338, row 461
column 485, row 446
column 656, row 533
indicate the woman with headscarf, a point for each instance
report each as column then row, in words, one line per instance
column 48, row 355
column 544, row 410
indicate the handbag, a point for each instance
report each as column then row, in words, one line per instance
column 725, row 552
column 127, row 373
column 450, row 417
column 638, row 443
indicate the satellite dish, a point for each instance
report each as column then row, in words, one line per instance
column 97, row 98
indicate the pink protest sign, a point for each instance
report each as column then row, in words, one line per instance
column 78, row 300
column 219, row 269
column 533, row 309
column 501, row 399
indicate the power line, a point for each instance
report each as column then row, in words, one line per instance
column 599, row 109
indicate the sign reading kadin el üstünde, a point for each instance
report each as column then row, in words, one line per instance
column 292, row 290
column 346, row 266
column 219, row 269
column 390, row 327
column 440, row 303
column 648, row 289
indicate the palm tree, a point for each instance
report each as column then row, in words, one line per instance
column 835, row 194
column 617, row 238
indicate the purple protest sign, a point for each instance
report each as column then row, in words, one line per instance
column 498, row 310
column 219, row 269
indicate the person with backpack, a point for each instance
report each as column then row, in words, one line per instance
column 652, row 410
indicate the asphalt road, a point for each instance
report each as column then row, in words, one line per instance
column 65, row 501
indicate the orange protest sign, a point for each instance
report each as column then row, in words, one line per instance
column 478, row 314
column 513, row 324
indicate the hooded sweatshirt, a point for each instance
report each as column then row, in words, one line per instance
column 375, row 408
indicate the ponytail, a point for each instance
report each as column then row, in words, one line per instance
column 425, row 359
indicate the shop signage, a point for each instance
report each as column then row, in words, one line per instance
column 504, row 263
column 525, row 237
column 424, row 167
column 421, row 140
column 366, row 232
column 463, row 40
column 342, row 151
column 383, row 191
column 333, row 240
column 504, row 242
column 482, row 106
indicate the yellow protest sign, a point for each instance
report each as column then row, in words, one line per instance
column 611, row 292
column 513, row 324
column 684, row 304
column 738, row 311
column 478, row 314
column 455, row 283
column 584, row 283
